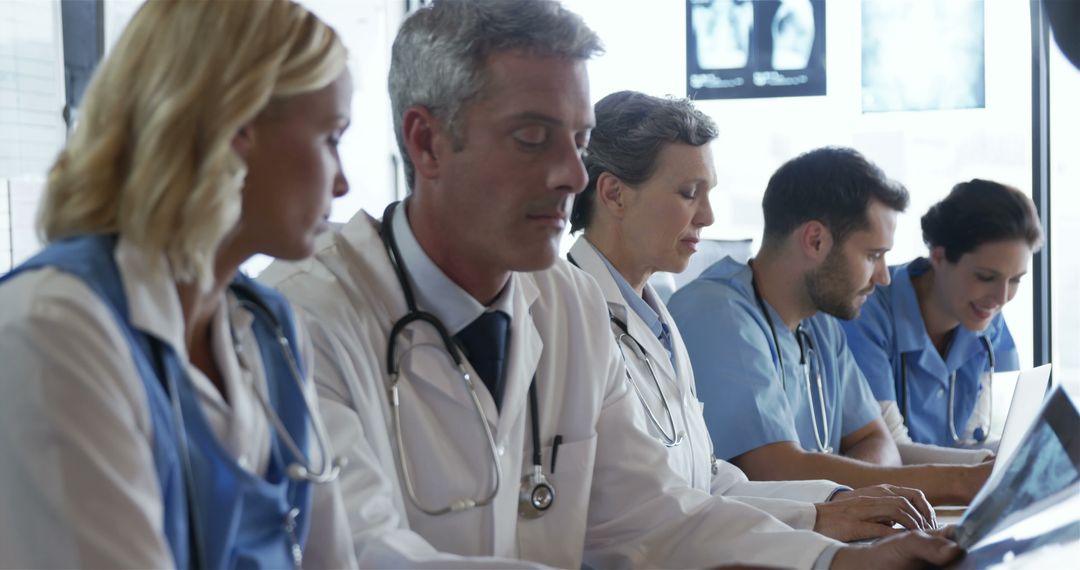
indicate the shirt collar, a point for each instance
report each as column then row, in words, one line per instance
column 439, row 294
column 911, row 329
column 908, row 322
column 153, row 303
column 644, row 307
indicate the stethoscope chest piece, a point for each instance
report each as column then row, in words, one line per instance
column 537, row 495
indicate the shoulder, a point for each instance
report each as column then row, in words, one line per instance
column 722, row 291
column 48, row 294
column 566, row 287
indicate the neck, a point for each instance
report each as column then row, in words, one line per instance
column 939, row 326
column 622, row 258
column 474, row 274
column 199, row 305
column 780, row 283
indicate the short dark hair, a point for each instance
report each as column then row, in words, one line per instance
column 631, row 131
column 833, row 185
column 977, row 212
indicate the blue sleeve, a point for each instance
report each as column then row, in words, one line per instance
column 870, row 338
column 860, row 405
column 735, row 368
column 1006, row 356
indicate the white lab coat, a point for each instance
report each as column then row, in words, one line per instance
column 789, row 501
column 616, row 499
column 78, row 485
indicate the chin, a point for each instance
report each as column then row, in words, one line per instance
column 534, row 258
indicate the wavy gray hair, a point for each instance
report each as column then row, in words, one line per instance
column 440, row 53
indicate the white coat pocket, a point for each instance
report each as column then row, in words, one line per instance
column 562, row 527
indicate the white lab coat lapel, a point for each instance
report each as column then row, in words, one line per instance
column 589, row 260
column 419, row 347
column 691, row 458
column 524, row 354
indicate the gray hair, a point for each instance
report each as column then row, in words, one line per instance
column 631, row 130
column 440, row 53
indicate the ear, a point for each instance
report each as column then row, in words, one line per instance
column 244, row 140
column 937, row 257
column 422, row 132
column 610, row 194
column 814, row 240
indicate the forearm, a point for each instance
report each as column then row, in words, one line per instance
column 942, row 484
column 878, row 449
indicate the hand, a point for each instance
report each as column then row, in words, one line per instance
column 908, row 550
column 914, row 496
column 857, row 518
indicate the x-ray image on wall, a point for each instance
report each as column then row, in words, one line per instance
column 755, row 48
column 922, row 55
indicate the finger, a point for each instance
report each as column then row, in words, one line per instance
column 865, row 530
column 918, row 499
column 909, row 508
column 946, row 532
column 935, row 550
column 887, row 512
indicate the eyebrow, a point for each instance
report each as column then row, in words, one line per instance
column 542, row 118
column 995, row 272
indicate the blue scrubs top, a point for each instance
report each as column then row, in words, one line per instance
column 749, row 401
column 890, row 325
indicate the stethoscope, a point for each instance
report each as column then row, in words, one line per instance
column 806, row 345
column 537, row 494
column 979, row 431
column 624, row 338
column 300, row 469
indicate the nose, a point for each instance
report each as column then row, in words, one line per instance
column 881, row 273
column 341, row 184
column 703, row 217
column 1001, row 292
column 568, row 170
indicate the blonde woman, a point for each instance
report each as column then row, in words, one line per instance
column 157, row 408
column 650, row 173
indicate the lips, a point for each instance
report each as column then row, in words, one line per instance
column 983, row 312
column 690, row 242
column 553, row 218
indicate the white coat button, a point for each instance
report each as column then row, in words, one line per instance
column 244, row 462
column 501, row 450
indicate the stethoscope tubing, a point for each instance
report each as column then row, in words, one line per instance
column 392, row 368
column 950, row 412
column 822, row 440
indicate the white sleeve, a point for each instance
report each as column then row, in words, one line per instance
column 894, row 422
column 329, row 543
column 78, row 485
column 642, row 514
column 912, row 453
column 789, row 501
column 380, row 534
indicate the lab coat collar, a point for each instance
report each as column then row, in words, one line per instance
column 364, row 270
column 153, row 303
column 592, row 262
column 439, row 295
column 154, row 308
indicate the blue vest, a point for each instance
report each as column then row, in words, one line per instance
column 241, row 518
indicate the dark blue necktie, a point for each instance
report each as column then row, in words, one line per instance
column 484, row 342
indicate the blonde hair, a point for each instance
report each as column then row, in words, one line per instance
column 152, row 156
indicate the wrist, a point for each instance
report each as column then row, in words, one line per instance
column 847, row 557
